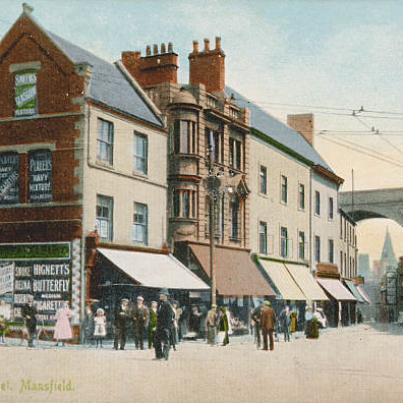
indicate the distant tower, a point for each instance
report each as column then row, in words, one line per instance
column 388, row 257
column 363, row 265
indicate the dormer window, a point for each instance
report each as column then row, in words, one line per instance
column 26, row 102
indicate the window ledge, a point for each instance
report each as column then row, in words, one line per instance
column 104, row 164
column 140, row 174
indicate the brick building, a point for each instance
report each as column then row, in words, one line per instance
column 208, row 135
column 83, row 178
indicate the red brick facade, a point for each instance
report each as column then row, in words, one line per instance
column 55, row 127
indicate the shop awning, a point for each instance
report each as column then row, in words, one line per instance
column 282, row 280
column 350, row 285
column 363, row 293
column 336, row 289
column 154, row 270
column 306, row 282
column 236, row 275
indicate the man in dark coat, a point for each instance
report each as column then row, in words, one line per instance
column 165, row 318
column 29, row 313
column 140, row 317
column 267, row 322
column 122, row 318
column 255, row 316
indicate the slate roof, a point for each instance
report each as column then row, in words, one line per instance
column 108, row 84
column 278, row 131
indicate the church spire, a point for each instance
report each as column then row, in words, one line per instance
column 388, row 257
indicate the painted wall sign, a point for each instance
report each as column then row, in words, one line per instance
column 25, row 94
column 40, row 176
column 48, row 278
column 6, row 278
column 9, row 178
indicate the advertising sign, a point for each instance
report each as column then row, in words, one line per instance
column 9, row 175
column 40, row 176
column 42, row 270
column 25, row 94
column 6, row 278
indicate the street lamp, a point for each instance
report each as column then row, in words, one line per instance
column 217, row 184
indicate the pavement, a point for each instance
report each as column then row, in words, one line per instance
column 361, row 363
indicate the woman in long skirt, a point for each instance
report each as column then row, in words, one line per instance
column 63, row 330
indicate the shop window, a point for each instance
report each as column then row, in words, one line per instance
column 284, row 189
column 105, row 142
column 235, row 153
column 26, row 102
column 263, row 180
column 284, row 242
column 185, row 137
column 263, row 238
column 140, row 224
column 301, row 245
column 105, row 217
column 40, row 176
column 9, row 178
column 140, row 153
column 301, row 196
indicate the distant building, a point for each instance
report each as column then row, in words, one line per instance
column 388, row 257
column 364, row 268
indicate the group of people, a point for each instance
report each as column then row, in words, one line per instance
column 218, row 325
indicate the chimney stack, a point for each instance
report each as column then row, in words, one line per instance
column 304, row 124
column 208, row 67
column 152, row 69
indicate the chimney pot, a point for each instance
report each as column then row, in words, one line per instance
column 206, row 45
column 218, row 43
column 148, row 50
column 195, row 47
column 170, row 47
column 27, row 9
column 163, row 48
column 155, row 49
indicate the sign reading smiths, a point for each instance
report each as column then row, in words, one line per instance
column 9, row 174
column 25, row 94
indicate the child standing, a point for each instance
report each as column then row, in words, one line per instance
column 99, row 327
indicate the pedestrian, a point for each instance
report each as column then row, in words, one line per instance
column 164, row 323
column 308, row 321
column 194, row 321
column 174, row 326
column 223, row 326
column 285, row 321
column 63, row 330
column 267, row 322
column 140, row 317
column 99, row 327
column 88, row 325
column 122, row 318
column 293, row 321
column 178, row 316
column 5, row 316
column 152, row 323
column 256, row 320
column 29, row 313
column 211, row 325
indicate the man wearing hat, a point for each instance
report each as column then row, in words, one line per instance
column 29, row 313
column 267, row 323
column 122, row 318
column 211, row 325
column 139, row 316
column 165, row 318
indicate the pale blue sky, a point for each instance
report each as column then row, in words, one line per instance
column 322, row 53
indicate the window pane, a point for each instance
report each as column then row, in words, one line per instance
column 104, row 219
column 186, row 204
column 140, row 223
column 184, row 143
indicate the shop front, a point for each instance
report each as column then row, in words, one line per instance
column 240, row 285
column 353, row 306
column 43, row 270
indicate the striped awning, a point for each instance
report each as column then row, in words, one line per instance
column 306, row 282
column 364, row 294
column 336, row 289
column 350, row 285
column 282, row 280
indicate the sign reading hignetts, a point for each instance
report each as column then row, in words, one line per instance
column 42, row 270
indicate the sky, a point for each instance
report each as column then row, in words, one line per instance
column 325, row 57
